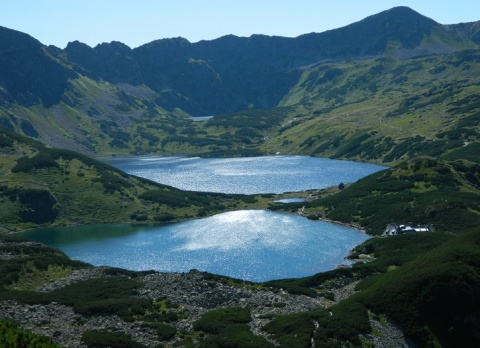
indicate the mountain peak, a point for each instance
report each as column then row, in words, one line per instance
column 15, row 40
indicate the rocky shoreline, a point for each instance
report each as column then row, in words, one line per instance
column 193, row 294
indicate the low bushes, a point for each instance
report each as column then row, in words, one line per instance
column 39, row 161
column 12, row 336
column 100, row 296
column 103, row 296
column 39, row 206
column 328, row 328
column 102, row 339
column 228, row 327
column 35, row 257
column 435, row 298
column 425, row 191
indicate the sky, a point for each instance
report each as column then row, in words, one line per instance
column 137, row 22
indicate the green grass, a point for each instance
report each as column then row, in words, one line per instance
column 385, row 110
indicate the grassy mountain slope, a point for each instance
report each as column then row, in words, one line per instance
column 44, row 186
column 385, row 110
column 113, row 99
column 95, row 117
column 234, row 73
column 382, row 110
column 434, row 297
column 443, row 194
column 427, row 283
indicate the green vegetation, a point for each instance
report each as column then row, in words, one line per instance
column 34, row 264
column 420, row 115
column 228, row 328
column 327, row 328
column 101, row 296
column 435, row 297
column 101, row 339
column 384, row 110
column 425, row 191
column 383, row 254
column 48, row 186
column 106, row 296
column 12, row 336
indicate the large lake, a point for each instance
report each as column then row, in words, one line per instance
column 254, row 245
column 267, row 174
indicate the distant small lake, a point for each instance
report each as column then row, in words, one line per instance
column 251, row 175
column 290, row 200
column 200, row 118
column 254, row 245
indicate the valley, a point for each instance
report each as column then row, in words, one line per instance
column 396, row 89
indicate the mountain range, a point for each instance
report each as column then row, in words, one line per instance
column 45, row 90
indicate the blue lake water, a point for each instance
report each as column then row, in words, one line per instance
column 290, row 200
column 254, row 245
column 267, row 174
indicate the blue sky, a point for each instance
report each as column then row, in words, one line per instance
column 134, row 23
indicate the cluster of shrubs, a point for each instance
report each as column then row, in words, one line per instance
column 256, row 119
column 13, row 336
column 101, row 296
column 104, row 339
column 385, row 197
column 38, row 205
column 228, row 327
column 334, row 327
column 112, row 179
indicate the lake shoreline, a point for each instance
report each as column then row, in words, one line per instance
column 255, row 245
column 277, row 174
column 6, row 231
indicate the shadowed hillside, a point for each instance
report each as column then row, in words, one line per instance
column 45, row 186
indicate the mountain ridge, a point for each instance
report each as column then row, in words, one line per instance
column 211, row 69
column 111, row 99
